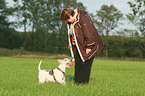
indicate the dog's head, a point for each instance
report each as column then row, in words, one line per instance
column 66, row 62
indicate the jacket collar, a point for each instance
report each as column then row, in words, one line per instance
column 77, row 14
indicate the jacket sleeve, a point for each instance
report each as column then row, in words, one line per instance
column 88, row 29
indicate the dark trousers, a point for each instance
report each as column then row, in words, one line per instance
column 82, row 69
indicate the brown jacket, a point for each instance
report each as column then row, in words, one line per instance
column 86, row 36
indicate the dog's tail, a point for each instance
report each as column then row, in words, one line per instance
column 39, row 65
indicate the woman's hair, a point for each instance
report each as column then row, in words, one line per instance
column 65, row 13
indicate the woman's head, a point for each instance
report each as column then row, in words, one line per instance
column 66, row 14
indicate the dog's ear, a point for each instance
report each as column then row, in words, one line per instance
column 60, row 61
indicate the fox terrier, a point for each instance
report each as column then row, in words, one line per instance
column 55, row 75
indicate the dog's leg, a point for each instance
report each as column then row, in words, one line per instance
column 41, row 78
column 41, row 81
column 62, row 82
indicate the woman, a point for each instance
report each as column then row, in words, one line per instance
column 84, row 42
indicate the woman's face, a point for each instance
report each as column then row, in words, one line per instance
column 71, row 19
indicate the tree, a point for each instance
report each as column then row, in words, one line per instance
column 43, row 16
column 8, row 37
column 137, row 17
column 107, row 19
column 3, row 15
column 42, row 13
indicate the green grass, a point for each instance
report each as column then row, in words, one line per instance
column 19, row 77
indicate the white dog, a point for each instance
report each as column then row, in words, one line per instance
column 55, row 75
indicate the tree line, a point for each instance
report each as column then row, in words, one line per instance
column 44, row 32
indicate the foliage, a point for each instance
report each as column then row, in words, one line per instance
column 19, row 77
column 137, row 17
column 41, row 14
column 49, row 35
column 3, row 15
column 50, row 43
column 107, row 19
column 119, row 46
column 8, row 37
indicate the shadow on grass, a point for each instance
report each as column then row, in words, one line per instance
column 71, row 78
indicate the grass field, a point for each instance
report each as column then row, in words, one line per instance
column 19, row 77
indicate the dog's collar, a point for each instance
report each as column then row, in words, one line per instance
column 61, row 70
column 53, row 75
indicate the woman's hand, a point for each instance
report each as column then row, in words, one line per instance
column 88, row 51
